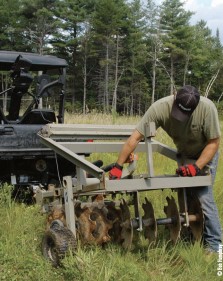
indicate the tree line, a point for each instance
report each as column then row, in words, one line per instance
column 122, row 55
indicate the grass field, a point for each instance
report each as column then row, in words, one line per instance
column 22, row 228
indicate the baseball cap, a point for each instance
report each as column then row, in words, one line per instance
column 186, row 100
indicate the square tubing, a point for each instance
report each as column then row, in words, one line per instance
column 182, row 200
column 150, row 130
column 74, row 158
column 69, row 204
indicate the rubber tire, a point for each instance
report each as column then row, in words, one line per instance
column 56, row 243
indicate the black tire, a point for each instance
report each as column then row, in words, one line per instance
column 56, row 243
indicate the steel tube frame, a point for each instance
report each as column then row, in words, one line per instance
column 67, row 150
column 73, row 157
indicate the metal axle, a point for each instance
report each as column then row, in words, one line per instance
column 163, row 221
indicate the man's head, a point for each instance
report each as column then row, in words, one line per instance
column 186, row 100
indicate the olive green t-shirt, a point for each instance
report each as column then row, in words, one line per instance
column 190, row 137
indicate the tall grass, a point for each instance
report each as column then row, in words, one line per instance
column 22, row 228
column 100, row 118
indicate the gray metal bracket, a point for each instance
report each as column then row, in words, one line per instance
column 73, row 158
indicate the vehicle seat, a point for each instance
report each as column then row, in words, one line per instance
column 38, row 116
column 42, row 81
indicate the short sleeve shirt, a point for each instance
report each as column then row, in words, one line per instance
column 190, row 137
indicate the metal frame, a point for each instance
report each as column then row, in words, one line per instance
column 69, row 141
column 65, row 141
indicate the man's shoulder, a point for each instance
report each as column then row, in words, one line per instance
column 206, row 102
column 166, row 100
column 161, row 108
column 206, row 109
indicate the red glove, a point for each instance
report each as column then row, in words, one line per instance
column 189, row 170
column 116, row 172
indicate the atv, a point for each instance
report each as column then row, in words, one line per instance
column 32, row 94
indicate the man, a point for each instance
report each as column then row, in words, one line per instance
column 192, row 122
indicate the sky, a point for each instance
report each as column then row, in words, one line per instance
column 210, row 11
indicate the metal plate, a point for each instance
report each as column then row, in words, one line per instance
column 149, row 222
column 172, row 212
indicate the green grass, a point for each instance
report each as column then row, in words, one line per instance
column 22, row 228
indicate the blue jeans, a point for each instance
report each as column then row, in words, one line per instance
column 212, row 228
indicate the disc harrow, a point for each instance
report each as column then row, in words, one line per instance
column 174, row 221
column 90, row 209
column 99, row 221
column 105, row 223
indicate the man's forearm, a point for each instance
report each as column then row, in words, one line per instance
column 128, row 147
column 208, row 153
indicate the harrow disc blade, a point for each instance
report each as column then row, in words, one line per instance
column 197, row 227
column 149, row 221
column 114, row 215
column 85, row 226
column 103, row 225
column 172, row 212
column 126, row 225
column 93, row 224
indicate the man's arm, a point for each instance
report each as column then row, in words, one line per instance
column 206, row 156
column 208, row 153
column 129, row 146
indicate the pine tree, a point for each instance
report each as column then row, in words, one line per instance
column 136, row 84
column 109, row 25
column 154, row 43
column 176, row 36
column 207, row 58
column 10, row 37
column 37, row 23
column 73, row 20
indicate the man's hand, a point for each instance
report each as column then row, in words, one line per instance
column 116, row 172
column 190, row 170
column 132, row 157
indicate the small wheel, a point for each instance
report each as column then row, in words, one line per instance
column 56, row 242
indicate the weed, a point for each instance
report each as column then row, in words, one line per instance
column 22, row 228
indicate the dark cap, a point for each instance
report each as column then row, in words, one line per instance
column 186, row 100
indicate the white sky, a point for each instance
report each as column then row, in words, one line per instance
column 210, row 11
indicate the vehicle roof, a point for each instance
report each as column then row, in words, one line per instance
column 39, row 62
